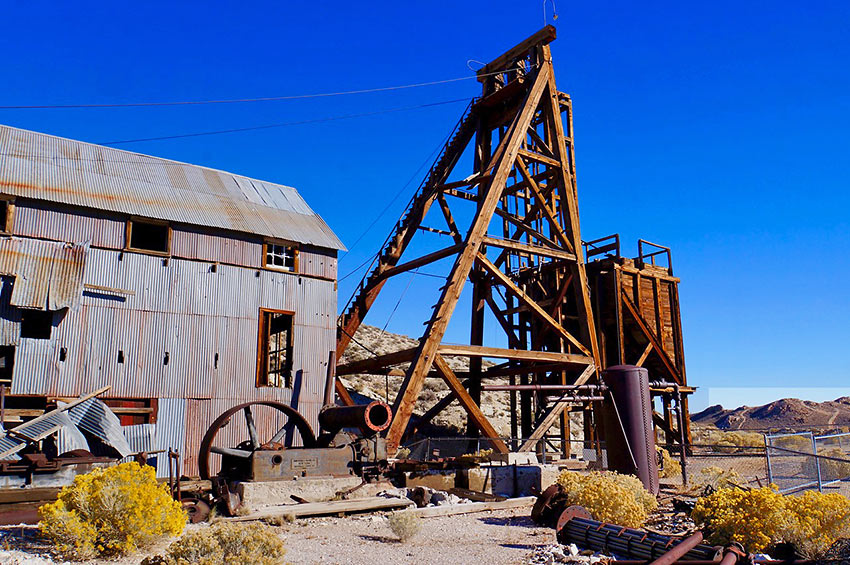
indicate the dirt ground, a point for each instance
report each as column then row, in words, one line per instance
column 503, row 537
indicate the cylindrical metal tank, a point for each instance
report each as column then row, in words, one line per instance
column 627, row 418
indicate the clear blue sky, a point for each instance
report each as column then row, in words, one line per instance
column 716, row 128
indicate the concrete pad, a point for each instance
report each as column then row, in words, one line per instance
column 257, row 495
column 437, row 480
column 478, row 479
column 523, row 480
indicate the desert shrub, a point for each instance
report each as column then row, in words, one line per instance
column 731, row 442
column 111, row 511
column 761, row 518
column 796, row 443
column 718, row 478
column 609, row 496
column 669, row 466
column 402, row 453
column 404, row 525
column 223, row 544
column 829, row 469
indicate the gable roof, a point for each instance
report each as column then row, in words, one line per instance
column 45, row 167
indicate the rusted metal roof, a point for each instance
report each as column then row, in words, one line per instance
column 44, row 167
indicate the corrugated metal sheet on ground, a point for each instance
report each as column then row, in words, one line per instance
column 69, row 437
column 48, row 275
column 95, row 417
column 43, row 167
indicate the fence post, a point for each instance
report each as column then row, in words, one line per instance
column 767, row 460
column 817, row 461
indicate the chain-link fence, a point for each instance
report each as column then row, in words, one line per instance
column 802, row 461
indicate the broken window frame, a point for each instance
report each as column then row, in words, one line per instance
column 7, row 218
column 128, row 237
column 7, row 353
column 286, row 251
column 283, row 378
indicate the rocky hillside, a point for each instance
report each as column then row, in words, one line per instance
column 369, row 341
column 788, row 413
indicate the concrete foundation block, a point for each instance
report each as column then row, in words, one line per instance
column 437, row 480
column 478, row 479
column 256, row 495
column 523, row 480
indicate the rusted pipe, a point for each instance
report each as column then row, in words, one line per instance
column 679, row 550
column 375, row 416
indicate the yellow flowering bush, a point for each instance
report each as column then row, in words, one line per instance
column 609, row 496
column 761, row 518
column 829, row 469
column 224, row 544
column 718, row 478
column 730, row 442
column 111, row 511
column 669, row 466
column 794, row 442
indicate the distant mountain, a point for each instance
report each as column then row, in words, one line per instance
column 788, row 413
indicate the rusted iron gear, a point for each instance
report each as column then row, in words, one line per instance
column 308, row 438
column 196, row 510
column 547, row 506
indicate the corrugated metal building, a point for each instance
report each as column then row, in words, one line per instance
column 186, row 289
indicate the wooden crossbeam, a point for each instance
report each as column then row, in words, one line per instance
column 471, row 407
column 513, row 354
column 653, row 340
column 543, row 205
column 535, row 308
column 530, row 249
column 542, row 37
column 374, row 363
column 418, row 262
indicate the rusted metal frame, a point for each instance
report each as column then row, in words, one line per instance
column 436, row 326
column 554, row 412
column 571, row 227
column 543, row 205
column 378, row 362
column 476, row 416
column 542, row 37
column 645, row 329
column 450, row 221
column 535, row 308
column 529, row 249
column 418, row 262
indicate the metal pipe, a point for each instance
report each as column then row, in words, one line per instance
column 679, row 550
column 375, row 416
column 542, row 387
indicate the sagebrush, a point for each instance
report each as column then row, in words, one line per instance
column 404, row 525
column 669, row 466
column 609, row 496
column 224, row 544
column 759, row 519
column 109, row 512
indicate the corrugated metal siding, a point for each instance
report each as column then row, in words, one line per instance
column 317, row 262
column 193, row 243
column 48, row 275
column 10, row 317
column 170, row 430
column 51, row 221
column 43, row 167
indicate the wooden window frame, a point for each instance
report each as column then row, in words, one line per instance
column 263, row 353
column 9, row 226
column 128, row 236
column 296, row 252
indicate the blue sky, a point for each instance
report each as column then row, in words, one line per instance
column 717, row 129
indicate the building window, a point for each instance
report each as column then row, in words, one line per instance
column 4, row 216
column 36, row 324
column 281, row 256
column 148, row 236
column 275, row 356
column 7, row 363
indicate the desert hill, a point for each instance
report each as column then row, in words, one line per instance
column 787, row 413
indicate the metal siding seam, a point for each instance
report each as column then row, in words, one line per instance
column 170, row 430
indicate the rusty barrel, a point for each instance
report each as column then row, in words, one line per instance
column 375, row 416
column 629, row 435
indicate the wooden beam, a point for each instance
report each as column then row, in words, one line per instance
column 645, row 329
column 530, row 249
column 554, row 412
column 513, row 354
column 418, row 262
column 471, row 507
column 644, row 355
column 379, row 362
column 543, row 205
column 539, row 158
column 535, row 308
column 542, row 37
column 474, row 411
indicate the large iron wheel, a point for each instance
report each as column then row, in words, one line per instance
column 246, row 448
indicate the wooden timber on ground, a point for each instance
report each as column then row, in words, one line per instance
column 327, row 508
column 471, row 507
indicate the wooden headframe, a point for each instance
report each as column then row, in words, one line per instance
column 522, row 221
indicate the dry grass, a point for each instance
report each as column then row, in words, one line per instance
column 404, row 525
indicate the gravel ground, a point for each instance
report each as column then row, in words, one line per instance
column 502, row 537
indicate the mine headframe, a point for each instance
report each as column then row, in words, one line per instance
column 521, row 224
